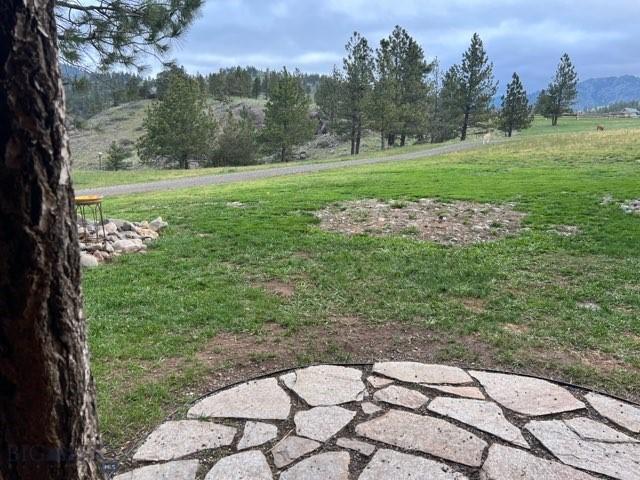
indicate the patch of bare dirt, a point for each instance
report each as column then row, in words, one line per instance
column 277, row 287
column 446, row 223
column 515, row 329
column 557, row 357
column 475, row 305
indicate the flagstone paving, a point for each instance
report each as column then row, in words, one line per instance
column 397, row 421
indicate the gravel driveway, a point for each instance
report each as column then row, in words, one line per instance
column 247, row 176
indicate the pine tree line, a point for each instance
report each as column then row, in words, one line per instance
column 392, row 90
column 398, row 93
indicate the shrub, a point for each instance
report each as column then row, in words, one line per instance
column 116, row 157
column 237, row 143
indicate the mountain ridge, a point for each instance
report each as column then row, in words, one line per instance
column 604, row 91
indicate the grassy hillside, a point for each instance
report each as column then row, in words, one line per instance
column 235, row 289
column 124, row 125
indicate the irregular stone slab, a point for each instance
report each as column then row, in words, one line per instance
column 414, row 372
column 180, row 470
column 173, row 440
column 325, row 466
column 292, row 448
column 387, row 464
column 259, row 399
column 402, row 396
column 529, row 396
column 468, row 392
column 506, row 463
column 621, row 413
column 618, row 460
column 588, row 429
column 483, row 415
column 326, row 385
column 241, row 466
column 364, row 448
column 322, row 423
column 379, row 382
column 257, row 433
column 425, row 434
column 370, row 408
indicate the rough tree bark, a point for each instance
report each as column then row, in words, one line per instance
column 48, row 426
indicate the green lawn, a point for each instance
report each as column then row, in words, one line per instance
column 542, row 126
column 199, row 310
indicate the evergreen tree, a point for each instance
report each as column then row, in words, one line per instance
column 542, row 103
column 450, row 113
column 237, row 143
column 287, row 121
column 116, row 156
column 562, row 91
column 164, row 77
column 120, row 32
column 178, row 128
column 515, row 113
column 477, row 85
column 408, row 71
column 329, row 97
column 382, row 109
column 255, row 89
column 218, row 86
column 358, row 68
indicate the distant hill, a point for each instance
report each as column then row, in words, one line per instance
column 600, row 92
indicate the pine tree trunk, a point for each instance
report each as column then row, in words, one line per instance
column 358, row 137
column 283, row 154
column 353, row 135
column 391, row 139
column 403, row 139
column 48, row 426
column 465, row 126
column 381, row 140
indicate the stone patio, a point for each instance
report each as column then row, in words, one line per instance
column 398, row 421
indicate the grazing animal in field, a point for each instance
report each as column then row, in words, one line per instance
column 487, row 138
column 599, row 128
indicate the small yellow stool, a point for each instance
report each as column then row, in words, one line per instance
column 93, row 203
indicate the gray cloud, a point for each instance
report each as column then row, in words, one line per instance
column 520, row 35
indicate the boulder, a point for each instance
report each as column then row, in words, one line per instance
column 88, row 261
column 158, row 224
column 128, row 245
column 110, row 228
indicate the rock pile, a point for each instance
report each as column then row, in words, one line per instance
column 446, row 223
column 632, row 206
column 118, row 237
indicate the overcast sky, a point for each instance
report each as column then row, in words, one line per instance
column 527, row 36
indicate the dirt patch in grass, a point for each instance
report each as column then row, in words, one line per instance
column 599, row 361
column 277, row 287
column 515, row 329
column 475, row 305
column 341, row 339
column 446, row 223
